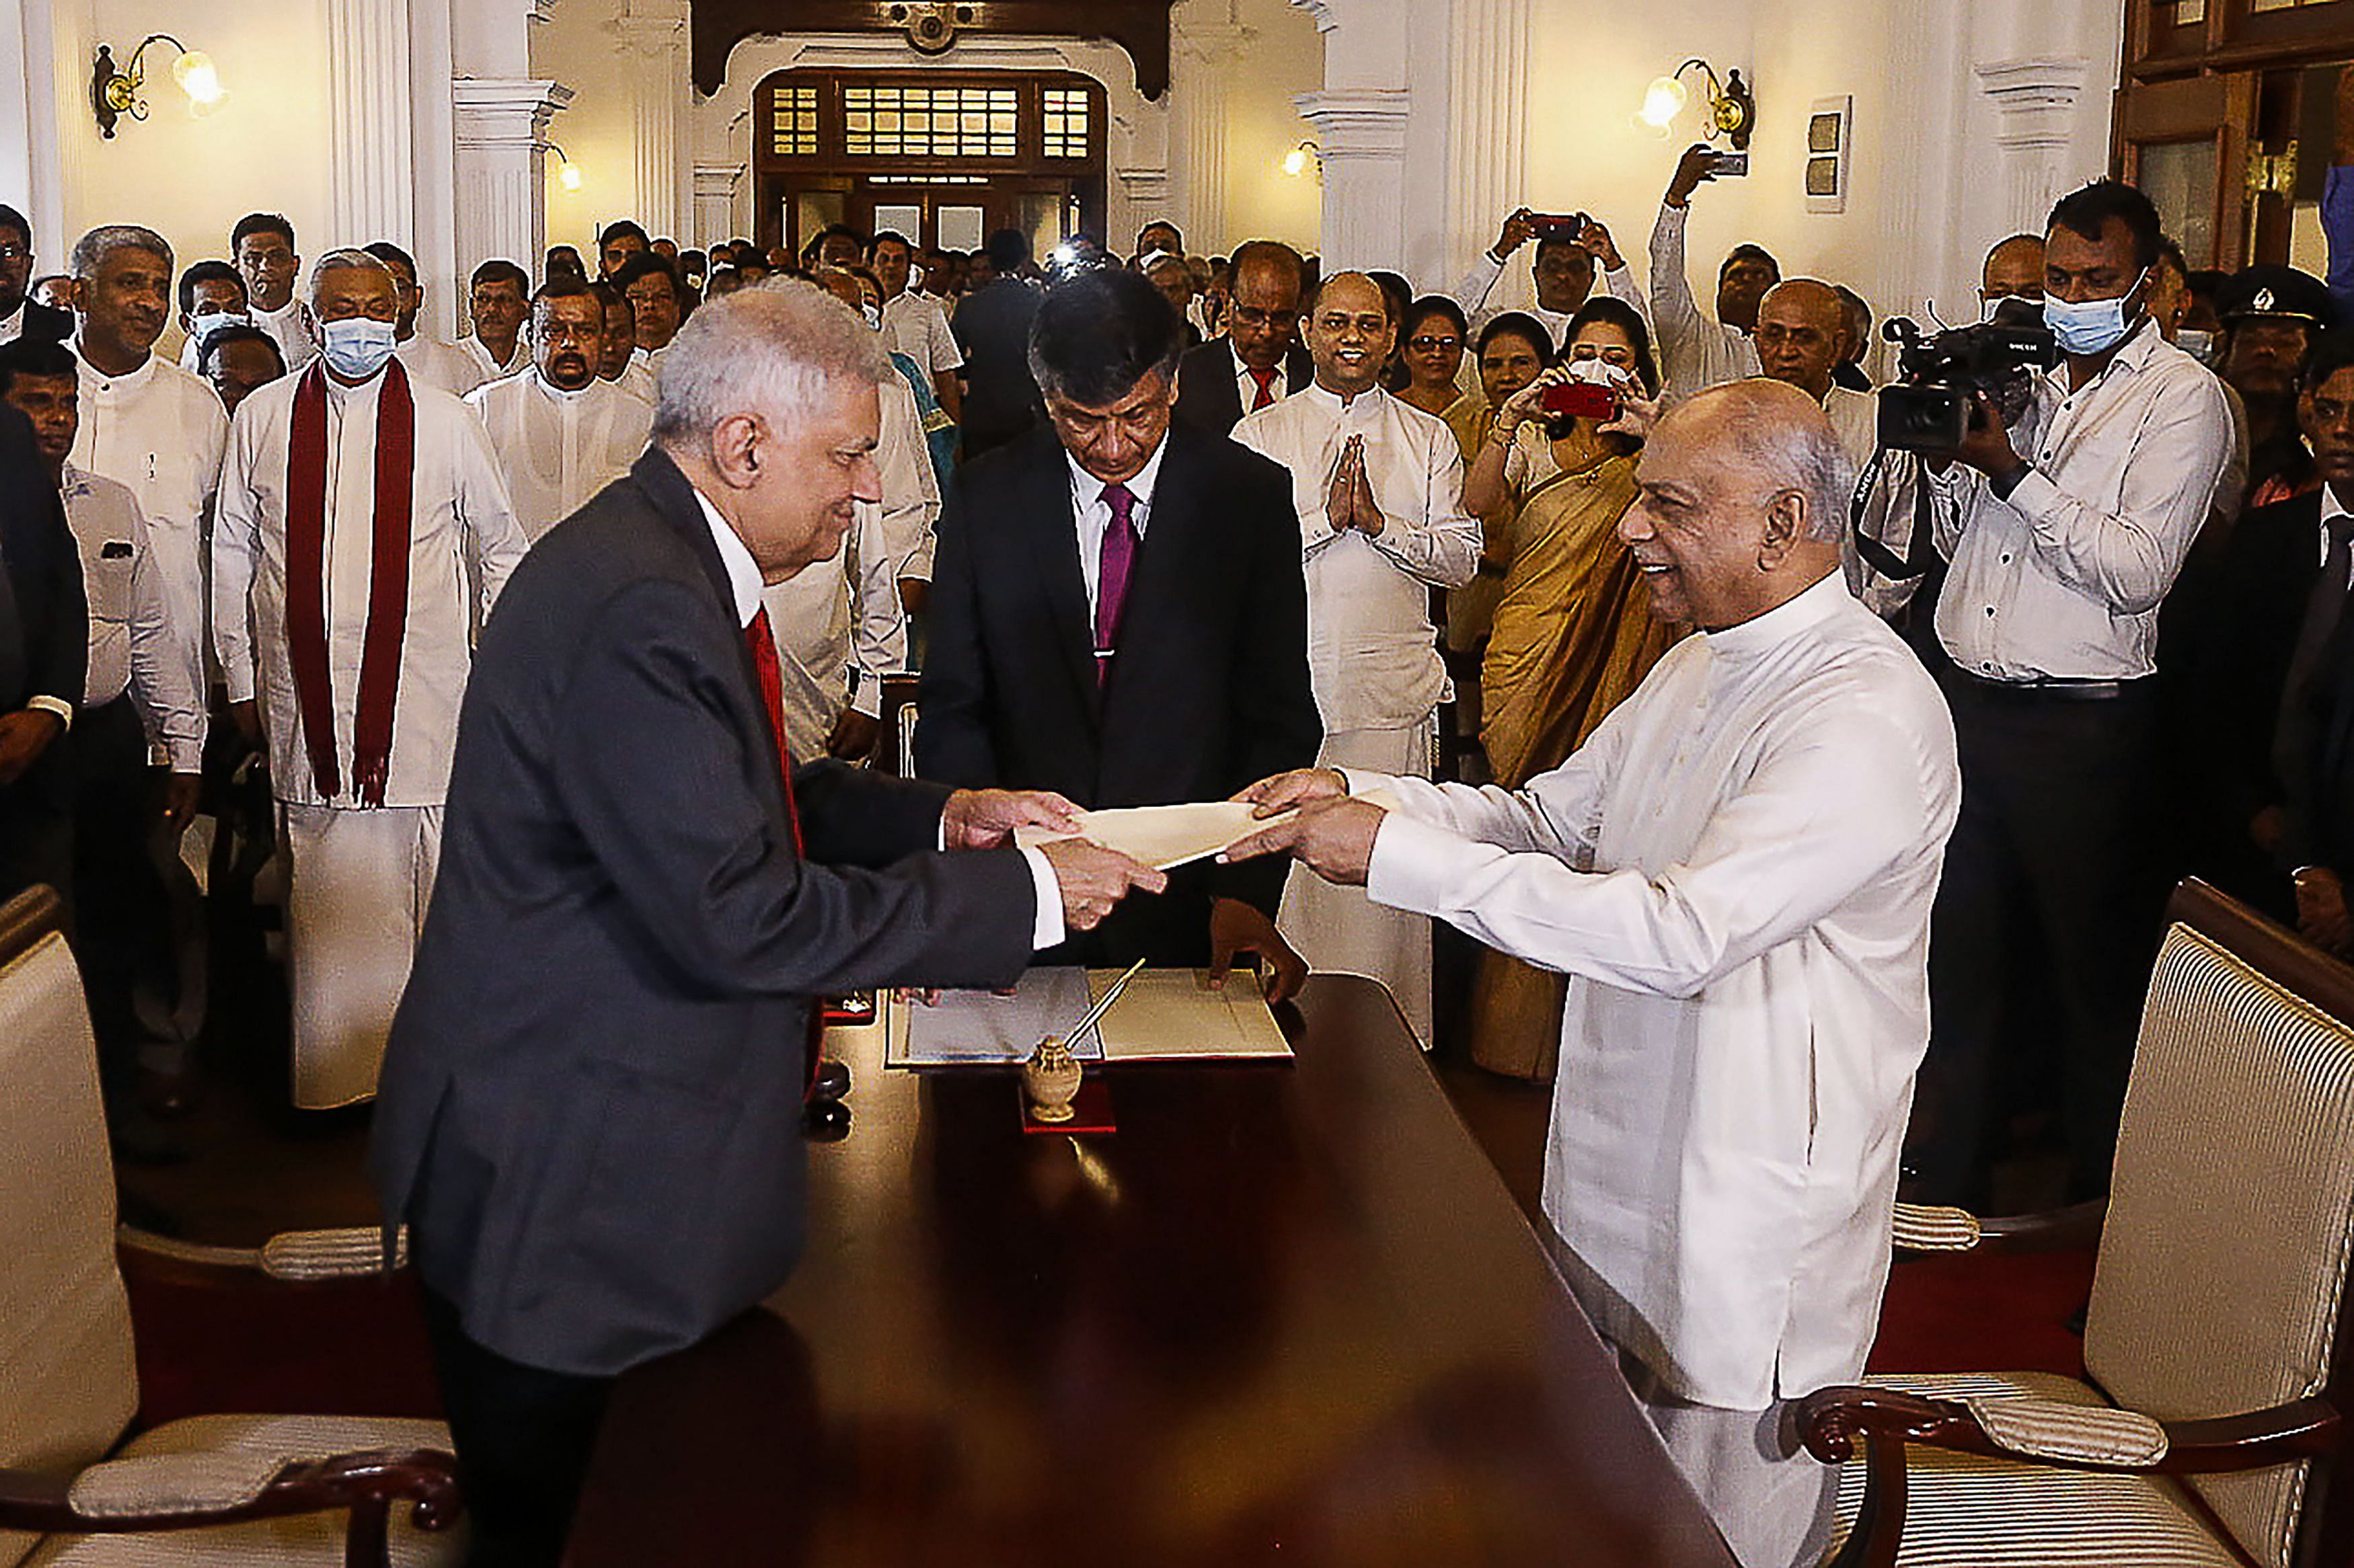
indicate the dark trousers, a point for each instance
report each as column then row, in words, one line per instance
column 118, row 919
column 524, row 1436
column 2043, row 932
column 36, row 825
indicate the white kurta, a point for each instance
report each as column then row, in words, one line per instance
column 915, row 324
column 840, row 630
column 487, row 368
column 357, row 879
column 132, row 648
column 1696, row 351
column 1373, row 653
column 160, row 431
column 438, row 363
column 296, row 334
column 1736, row 871
column 557, row 449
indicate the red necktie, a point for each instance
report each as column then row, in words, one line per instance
column 763, row 644
column 1111, row 575
column 1265, row 380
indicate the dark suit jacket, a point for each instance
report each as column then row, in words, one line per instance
column 590, row 1103
column 1209, row 692
column 2234, row 657
column 44, row 624
column 993, row 328
column 1207, row 393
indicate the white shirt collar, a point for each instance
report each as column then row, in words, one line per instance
column 1086, row 490
column 1372, row 397
column 743, row 572
column 1786, row 619
column 2331, row 508
column 132, row 378
column 555, row 394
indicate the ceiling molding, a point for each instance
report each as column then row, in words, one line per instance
column 1140, row 28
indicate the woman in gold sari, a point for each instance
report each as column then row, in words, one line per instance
column 1572, row 632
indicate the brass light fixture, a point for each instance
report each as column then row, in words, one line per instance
column 1303, row 158
column 1732, row 111
column 115, row 91
column 568, row 173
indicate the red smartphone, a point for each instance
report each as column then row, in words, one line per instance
column 1579, row 400
column 1570, row 223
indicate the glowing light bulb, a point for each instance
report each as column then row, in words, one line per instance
column 1295, row 163
column 568, row 174
column 198, row 78
column 1662, row 102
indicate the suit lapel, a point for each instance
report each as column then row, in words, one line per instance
column 1054, row 530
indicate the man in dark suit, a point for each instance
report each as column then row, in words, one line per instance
column 1260, row 360
column 1118, row 614
column 44, row 661
column 993, row 327
column 590, row 1102
column 2267, row 677
column 21, row 316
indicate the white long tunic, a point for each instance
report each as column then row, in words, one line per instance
column 838, row 625
column 438, row 363
column 557, row 449
column 296, row 333
column 911, row 491
column 1373, row 654
column 159, row 431
column 462, row 528
column 1696, row 351
column 1736, row 871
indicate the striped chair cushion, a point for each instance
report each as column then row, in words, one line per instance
column 1963, row 1511
column 2223, row 1256
column 313, row 1541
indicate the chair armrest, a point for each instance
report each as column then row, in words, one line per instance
column 188, row 1491
column 2080, row 1438
column 294, row 1256
column 1919, row 1227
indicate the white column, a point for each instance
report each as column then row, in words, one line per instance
column 369, row 144
column 1138, row 152
column 501, row 152
column 2035, row 113
column 1486, row 114
column 715, row 204
column 1206, row 43
column 654, row 38
column 1362, row 135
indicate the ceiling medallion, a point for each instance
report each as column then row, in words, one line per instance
column 931, row 24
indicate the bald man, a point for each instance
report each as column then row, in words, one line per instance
column 1803, row 335
column 1735, row 872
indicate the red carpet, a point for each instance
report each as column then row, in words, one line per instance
column 1960, row 1313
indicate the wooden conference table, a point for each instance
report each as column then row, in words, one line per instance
column 1287, row 1314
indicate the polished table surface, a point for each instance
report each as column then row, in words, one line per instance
column 1287, row 1314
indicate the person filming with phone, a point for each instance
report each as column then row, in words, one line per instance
column 2065, row 533
column 1696, row 353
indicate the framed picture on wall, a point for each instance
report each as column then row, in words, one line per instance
column 1829, row 127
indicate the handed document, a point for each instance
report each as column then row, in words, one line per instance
column 1163, row 1015
column 1162, row 837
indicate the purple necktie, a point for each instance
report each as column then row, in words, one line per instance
column 1111, row 575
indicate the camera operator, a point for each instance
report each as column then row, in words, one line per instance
column 2066, row 534
column 1696, row 353
column 1568, row 253
column 1803, row 337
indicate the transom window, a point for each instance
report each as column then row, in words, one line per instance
column 885, row 121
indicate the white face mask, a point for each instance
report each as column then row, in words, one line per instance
column 356, row 346
column 211, row 322
column 2093, row 326
column 2197, row 343
column 1601, row 372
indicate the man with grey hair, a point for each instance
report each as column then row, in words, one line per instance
column 591, row 1105
column 147, row 424
column 358, row 505
column 1736, row 871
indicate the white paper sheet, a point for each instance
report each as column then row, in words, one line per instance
column 978, row 1026
column 1162, row 837
column 1171, row 1014
column 1163, row 1015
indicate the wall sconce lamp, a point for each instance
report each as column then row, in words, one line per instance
column 1303, row 158
column 114, row 94
column 568, row 173
column 1732, row 111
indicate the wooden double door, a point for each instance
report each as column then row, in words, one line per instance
column 958, row 214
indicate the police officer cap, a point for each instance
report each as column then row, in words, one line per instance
column 2269, row 290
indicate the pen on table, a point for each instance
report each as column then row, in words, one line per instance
column 1079, row 1030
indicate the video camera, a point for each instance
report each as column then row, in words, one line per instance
column 1928, row 408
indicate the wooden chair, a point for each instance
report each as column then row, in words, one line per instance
column 240, row 1489
column 894, row 752
column 2210, row 1432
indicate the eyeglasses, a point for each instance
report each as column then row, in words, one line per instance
column 1426, row 345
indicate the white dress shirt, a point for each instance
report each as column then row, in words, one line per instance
column 296, row 334
column 1855, row 419
column 438, row 363
column 1478, row 286
column 1373, row 654
column 160, row 431
column 1247, row 384
column 1092, row 513
column 557, row 449
column 2063, row 580
column 749, row 593
column 1696, row 352
column 131, row 644
column 916, row 326
column 12, row 325
column 461, row 531
column 488, row 369
column 1735, row 872
column 636, row 378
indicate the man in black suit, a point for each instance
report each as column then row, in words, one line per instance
column 993, row 327
column 2267, row 674
column 44, row 660
column 21, row 316
column 1120, row 614
column 1260, row 360
column 589, row 1108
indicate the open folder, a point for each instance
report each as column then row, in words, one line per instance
column 1162, row 837
column 1163, row 1015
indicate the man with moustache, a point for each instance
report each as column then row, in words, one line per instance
column 1260, row 360
column 1563, row 269
column 498, row 303
column 914, row 323
column 263, row 246
column 212, row 298
column 618, row 363
column 562, row 434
